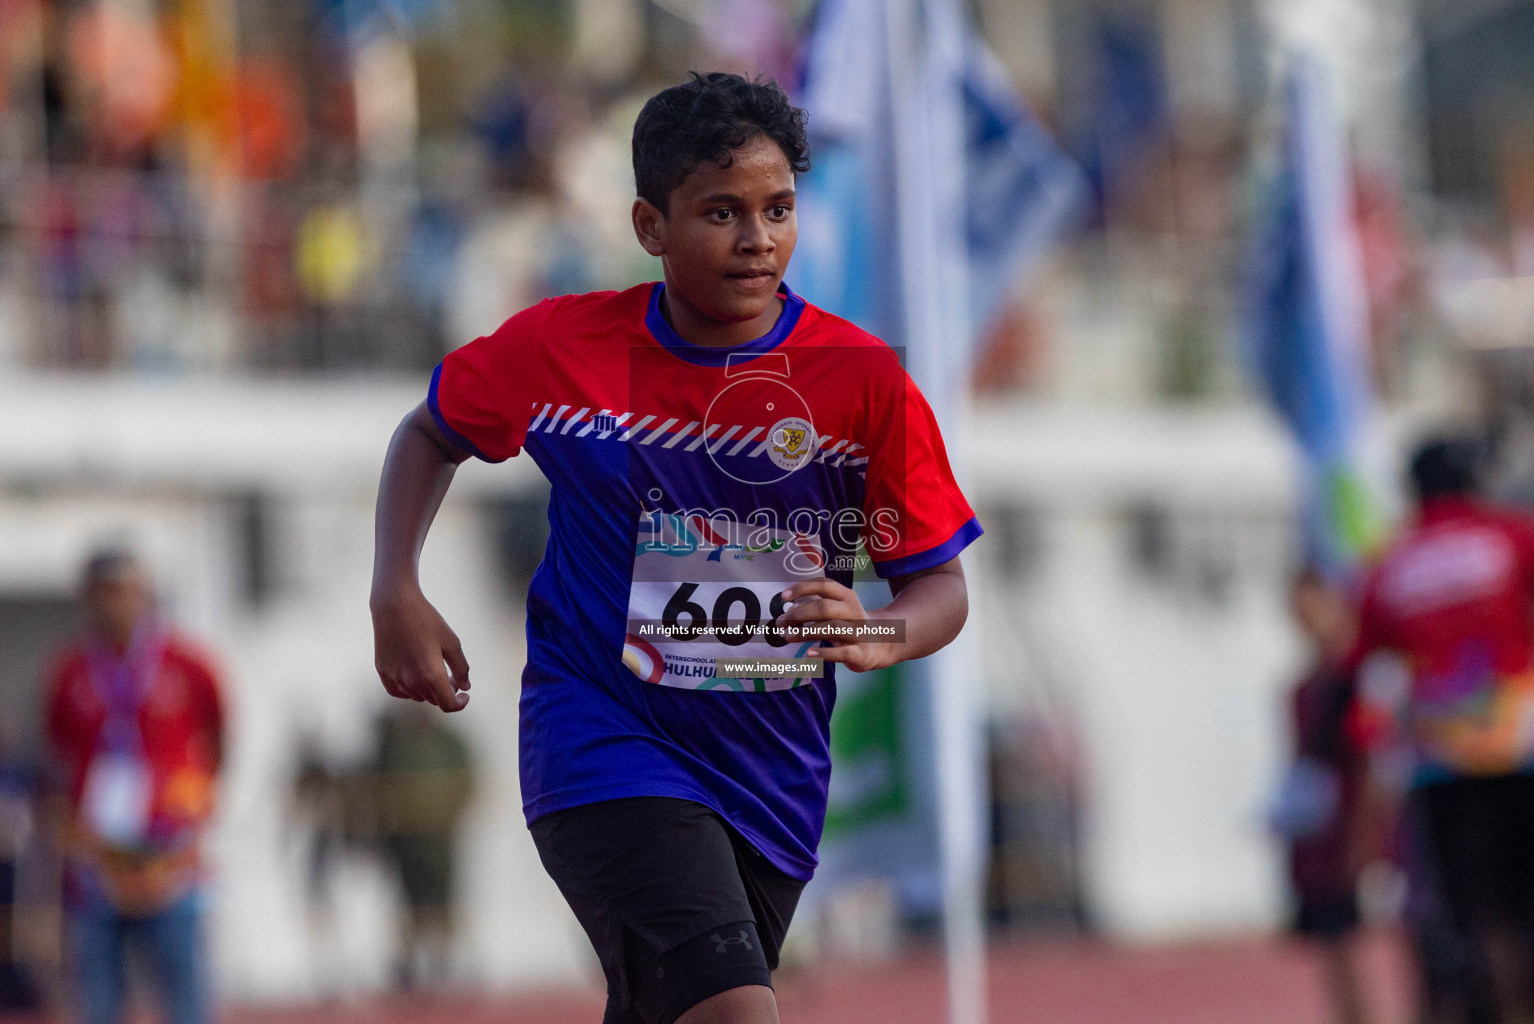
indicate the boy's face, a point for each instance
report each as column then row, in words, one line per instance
column 727, row 235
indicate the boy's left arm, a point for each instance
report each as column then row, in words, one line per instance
column 933, row 604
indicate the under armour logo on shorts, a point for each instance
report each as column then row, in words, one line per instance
column 721, row 945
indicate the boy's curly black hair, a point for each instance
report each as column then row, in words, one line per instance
column 705, row 119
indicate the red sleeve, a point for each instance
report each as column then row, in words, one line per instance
column 207, row 697
column 481, row 395
column 1372, row 632
column 1370, row 725
column 916, row 516
column 1521, row 529
column 62, row 726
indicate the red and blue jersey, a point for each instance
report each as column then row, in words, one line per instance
column 690, row 486
column 1452, row 598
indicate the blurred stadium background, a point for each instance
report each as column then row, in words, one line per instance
column 236, row 234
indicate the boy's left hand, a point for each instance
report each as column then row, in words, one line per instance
column 818, row 604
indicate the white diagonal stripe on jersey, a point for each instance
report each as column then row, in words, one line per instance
column 658, row 431
column 743, row 441
column 547, row 406
column 680, row 434
column 618, row 421
column 761, row 447
column 724, row 439
column 826, row 453
column 576, row 419
column 636, row 428
column 588, row 428
column 708, row 431
column 554, row 420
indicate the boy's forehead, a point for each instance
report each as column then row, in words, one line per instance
column 758, row 164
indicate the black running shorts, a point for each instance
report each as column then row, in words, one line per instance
column 678, row 906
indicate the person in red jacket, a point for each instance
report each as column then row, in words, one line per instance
column 135, row 727
column 1320, row 807
column 1452, row 598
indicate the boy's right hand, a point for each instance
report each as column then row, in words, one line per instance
column 417, row 655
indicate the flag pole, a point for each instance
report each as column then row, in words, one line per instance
column 925, row 41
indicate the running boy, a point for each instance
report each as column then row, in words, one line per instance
column 718, row 450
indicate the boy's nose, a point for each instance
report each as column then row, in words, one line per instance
column 755, row 237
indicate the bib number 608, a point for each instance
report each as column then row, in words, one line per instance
column 723, row 616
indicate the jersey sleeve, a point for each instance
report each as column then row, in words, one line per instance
column 481, row 395
column 915, row 515
column 1520, row 529
column 209, row 703
column 62, row 730
column 1372, row 632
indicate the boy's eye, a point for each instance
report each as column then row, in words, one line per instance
column 722, row 214
column 781, row 211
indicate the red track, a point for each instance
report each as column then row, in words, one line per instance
column 1237, row 982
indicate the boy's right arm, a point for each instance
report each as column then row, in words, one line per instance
column 417, row 656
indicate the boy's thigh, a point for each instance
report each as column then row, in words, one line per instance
column 772, row 895
column 675, row 913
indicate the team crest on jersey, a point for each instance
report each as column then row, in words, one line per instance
column 791, row 442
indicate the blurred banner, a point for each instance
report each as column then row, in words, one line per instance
column 1126, row 105
column 1015, row 194
column 933, row 191
column 1306, row 321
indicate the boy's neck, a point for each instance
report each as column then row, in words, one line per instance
column 695, row 328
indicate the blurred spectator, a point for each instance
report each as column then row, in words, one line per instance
column 424, row 780
column 1319, row 805
column 18, row 992
column 270, row 283
column 332, row 816
column 1034, row 876
column 431, row 260
column 505, row 123
column 1452, row 596
column 135, row 727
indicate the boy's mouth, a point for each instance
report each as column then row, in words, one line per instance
column 755, row 276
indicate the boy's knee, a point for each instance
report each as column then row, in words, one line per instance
column 748, row 1004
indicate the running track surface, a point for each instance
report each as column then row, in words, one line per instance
column 1241, row 981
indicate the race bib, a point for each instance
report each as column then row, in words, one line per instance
column 116, row 800
column 699, row 594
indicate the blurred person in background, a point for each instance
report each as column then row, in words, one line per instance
column 1320, row 803
column 329, row 814
column 423, row 781
column 18, row 991
column 1451, row 596
column 135, row 729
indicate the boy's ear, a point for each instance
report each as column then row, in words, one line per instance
column 650, row 227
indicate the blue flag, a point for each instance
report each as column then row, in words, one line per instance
column 1305, row 321
column 1019, row 193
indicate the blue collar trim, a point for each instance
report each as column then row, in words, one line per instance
column 705, row 355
